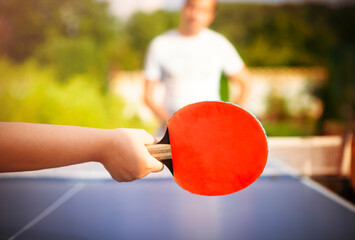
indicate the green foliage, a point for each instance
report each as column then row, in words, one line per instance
column 23, row 26
column 281, row 35
column 289, row 128
column 27, row 23
column 71, row 56
column 338, row 94
column 31, row 94
column 72, row 37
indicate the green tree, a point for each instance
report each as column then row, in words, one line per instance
column 143, row 27
column 73, row 37
column 272, row 35
column 23, row 25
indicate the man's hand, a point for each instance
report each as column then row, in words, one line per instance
column 159, row 111
column 239, row 86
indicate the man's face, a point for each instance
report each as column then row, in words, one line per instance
column 196, row 15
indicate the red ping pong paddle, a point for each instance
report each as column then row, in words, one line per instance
column 213, row 148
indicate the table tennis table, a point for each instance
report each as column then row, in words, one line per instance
column 276, row 206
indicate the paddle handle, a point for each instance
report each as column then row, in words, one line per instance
column 160, row 151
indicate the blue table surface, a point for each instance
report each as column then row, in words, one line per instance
column 271, row 208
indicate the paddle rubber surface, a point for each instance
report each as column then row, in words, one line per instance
column 218, row 148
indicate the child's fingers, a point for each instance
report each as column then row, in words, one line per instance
column 155, row 165
column 146, row 138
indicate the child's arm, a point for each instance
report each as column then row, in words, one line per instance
column 26, row 146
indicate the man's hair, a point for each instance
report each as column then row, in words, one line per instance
column 214, row 1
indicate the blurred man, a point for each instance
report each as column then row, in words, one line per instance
column 189, row 62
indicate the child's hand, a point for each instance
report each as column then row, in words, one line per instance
column 123, row 152
column 127, row 157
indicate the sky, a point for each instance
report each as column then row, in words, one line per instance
column 125, row 8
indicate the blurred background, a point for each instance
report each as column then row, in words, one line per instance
column 80, row 62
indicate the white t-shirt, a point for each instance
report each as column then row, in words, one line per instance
column 190, row 67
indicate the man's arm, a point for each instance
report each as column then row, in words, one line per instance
column 26, row 146
column 239, row 86
column 149, row 89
